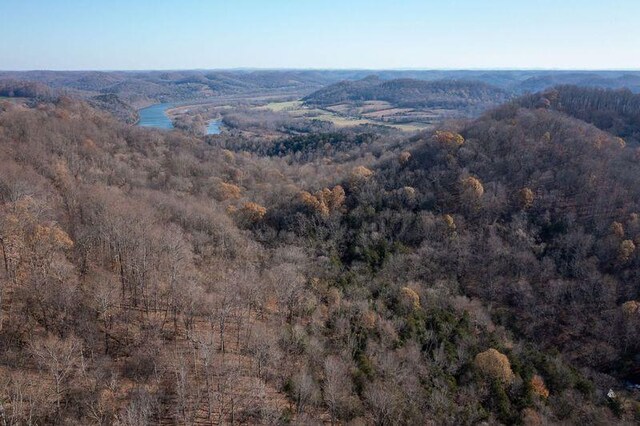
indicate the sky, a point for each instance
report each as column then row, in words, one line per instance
column 320, row 34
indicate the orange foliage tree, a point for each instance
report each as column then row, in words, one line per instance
column 228, row 191
column 495, row 365
column 253, row 212
column 360, row 174
column 324, row 201
column 448, row 138
column 538, row 386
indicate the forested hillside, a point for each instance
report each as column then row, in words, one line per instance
column 603, row 80
column 139, row 88
column 615, row 111
column 525, row 222
column 483, row 272
column 411, row 93
column 163, row 86
column 24, row 89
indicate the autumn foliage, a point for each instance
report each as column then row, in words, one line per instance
column 631, row 307
column 626, row 249
column 448, row 138
column 472, row 187
column 538, row 386
column 324, row 201
column 409, row 298
column 253, row 212
column 360, row 174
column 152, row 277
column 29, row 245
column 228, row 191
column 495, row 365
column 617, row 229
column 404, row 157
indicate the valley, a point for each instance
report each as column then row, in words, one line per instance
column 321, row 254
column 319, row 213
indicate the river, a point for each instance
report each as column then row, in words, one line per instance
column 156, row 116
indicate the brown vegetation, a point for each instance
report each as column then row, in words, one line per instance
column 152, row 277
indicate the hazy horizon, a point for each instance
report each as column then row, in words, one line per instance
column 133, row 70
column 414, row 35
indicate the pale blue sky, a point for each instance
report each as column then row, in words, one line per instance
column 187, row 34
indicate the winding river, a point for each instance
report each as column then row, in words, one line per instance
column 156, row 116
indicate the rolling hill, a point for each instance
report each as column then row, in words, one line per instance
column 412, row 93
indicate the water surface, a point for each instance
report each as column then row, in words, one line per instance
column 155, row 116
column 214, row 127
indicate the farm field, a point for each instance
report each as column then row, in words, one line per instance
column 341, row 116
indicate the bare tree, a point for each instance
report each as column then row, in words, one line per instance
column 61, row 358
column 288, row 284
column 337, row 385
column 305, row 390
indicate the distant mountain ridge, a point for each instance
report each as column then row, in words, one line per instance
column 457, row 93
column 179, row 85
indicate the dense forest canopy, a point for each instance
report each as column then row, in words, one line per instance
column 485, row 271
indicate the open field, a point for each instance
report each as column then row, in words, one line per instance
column 343, row 115
column 262, row 109
column 282, row 106
column 386, row 112
column 340, row 121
